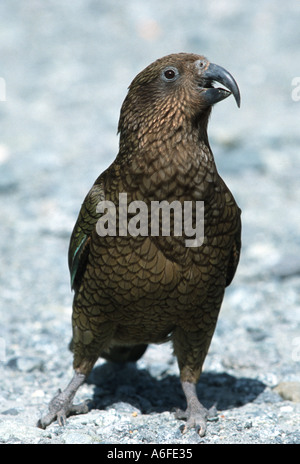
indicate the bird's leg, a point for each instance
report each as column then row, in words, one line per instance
column 195, row 414
column 86, row 349
column 191, row 349
column 62, row 406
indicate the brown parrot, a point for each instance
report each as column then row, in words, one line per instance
column 134, row 286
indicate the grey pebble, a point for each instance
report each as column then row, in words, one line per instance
column 10, row 412
column 26, row 364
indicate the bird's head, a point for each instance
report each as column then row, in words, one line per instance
column 172, row 91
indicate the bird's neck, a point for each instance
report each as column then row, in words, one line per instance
column 165, row 140
column 167, row 163
column 166, row 126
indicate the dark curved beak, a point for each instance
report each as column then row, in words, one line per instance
column 215, row 73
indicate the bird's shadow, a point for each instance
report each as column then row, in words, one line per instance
column 126, row 383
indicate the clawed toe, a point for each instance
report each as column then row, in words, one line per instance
column 212, row 413
column 196, row 418
column 62, row 414
column 60, row 407
column 180, row 414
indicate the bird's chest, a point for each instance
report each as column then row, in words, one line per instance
column 178, row 175
column 136, row 285
column 154, row 266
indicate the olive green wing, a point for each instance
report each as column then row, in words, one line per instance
column 80, row 239
column 234, row 256
column 233, row 215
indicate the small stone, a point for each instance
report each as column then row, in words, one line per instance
column 286, row 409
column 26, row 364
column 38, row 394
column 11, row 412
column 248, row 425
column 289, row 391
column 72, row 438
column 127, row 408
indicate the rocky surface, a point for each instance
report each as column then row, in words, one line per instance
column 66, row 66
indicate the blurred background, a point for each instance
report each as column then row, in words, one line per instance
column 65, row 68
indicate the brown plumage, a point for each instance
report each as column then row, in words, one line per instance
column 135, row 290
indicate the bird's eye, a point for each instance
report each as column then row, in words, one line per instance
column 170, row 74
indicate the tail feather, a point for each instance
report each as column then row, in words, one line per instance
column 121, row 354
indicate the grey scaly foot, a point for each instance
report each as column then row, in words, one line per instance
column 196, row 415
column 61, row 406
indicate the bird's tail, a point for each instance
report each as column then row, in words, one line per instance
column 121, row 354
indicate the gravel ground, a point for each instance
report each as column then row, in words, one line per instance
column 67, row 66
